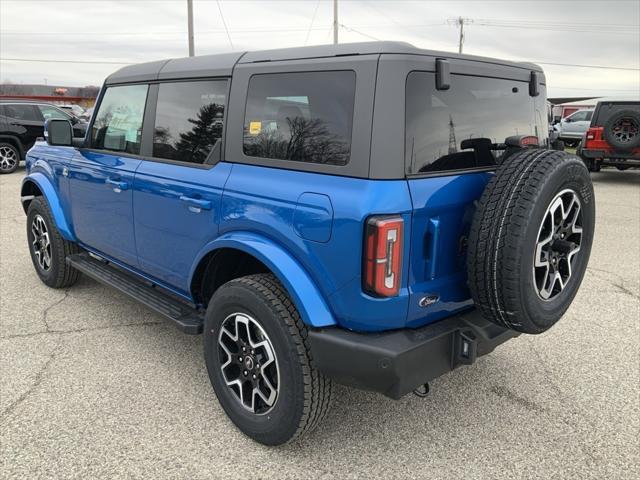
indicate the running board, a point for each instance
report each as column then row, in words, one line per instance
column 185, row 316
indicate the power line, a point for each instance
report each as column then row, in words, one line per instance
column 64, row 61
column 349, row 29
column 604, row 67
column 224, row 23
column 313, row 18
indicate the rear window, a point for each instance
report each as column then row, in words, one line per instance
column 305, row 117
column 605, row 110
column 22, row 112
column 486, row 110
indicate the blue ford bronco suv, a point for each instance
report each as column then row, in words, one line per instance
column 372, row 214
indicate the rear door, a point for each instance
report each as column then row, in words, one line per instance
column 178, row 186
column 445, row 180
column 101, row 175
column 24, row 121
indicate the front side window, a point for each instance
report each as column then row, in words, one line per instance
column 189, row 120
column 478, row 111
column 52, row 112
column 581, row 116
column 118, row 123
column 305, row 117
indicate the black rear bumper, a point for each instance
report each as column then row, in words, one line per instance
column 397, row 362
column 613, row 158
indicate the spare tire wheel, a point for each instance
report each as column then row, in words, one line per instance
column 530, row 239
column 622, row 130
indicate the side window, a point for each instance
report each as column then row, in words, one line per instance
column 52, row 112
column 589, row 115
column 22, row 112
column 579, row 116
column 118, row 123
column 454, row 129
column 189, row 120
column 305, row 117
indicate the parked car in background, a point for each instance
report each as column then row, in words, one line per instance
column 75, row 110
column 613, row 137
column 21, row 123
column 372, row 214
column 572, row 129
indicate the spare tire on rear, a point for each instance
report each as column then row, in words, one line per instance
column 530, row 239
column 622, row 130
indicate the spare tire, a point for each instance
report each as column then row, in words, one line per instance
column 622, row 130
column 530, row 239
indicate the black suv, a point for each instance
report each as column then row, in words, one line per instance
column 21, row 123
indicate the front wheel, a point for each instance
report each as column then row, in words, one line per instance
column 259, row 361
column 47, row 247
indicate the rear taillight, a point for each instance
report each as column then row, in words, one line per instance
column 591, row 134
column 383, row 255
column 529, row 141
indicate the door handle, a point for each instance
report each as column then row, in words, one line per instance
column 117, row 185
column 434, row 230
column 195, row 204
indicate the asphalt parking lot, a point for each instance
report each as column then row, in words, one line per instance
column 94, row 385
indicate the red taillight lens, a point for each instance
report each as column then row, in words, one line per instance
column 383, row 255
column 591, row 134
column 528, row 141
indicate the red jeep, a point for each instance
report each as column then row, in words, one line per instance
column 613, row 137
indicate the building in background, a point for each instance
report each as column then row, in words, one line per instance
column 83, row 96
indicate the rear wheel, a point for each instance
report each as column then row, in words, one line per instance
column 47, row 247
column 259, row 361
column 530, row 239
column 9, row 158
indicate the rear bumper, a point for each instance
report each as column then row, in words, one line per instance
column 628, row 158
column 397, row 362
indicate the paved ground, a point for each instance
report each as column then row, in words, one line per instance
column 94, row 386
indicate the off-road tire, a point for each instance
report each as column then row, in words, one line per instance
column 304, row 394
column 631, row 116
column 60, row 274
column 6, row 164
column 505, row 232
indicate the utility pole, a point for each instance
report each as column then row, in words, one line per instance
column 335, row 22
column 460, row 22
column 190, row 26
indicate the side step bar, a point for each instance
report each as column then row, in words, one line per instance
column 186, row 317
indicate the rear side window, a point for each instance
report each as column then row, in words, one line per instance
column 118, row 123
column 305, row 117
column 22, row 112
column 605, row 110
column 189, row 120
column 483, row 110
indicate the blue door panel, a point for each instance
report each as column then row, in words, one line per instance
column 100, row 188
column 176, row 210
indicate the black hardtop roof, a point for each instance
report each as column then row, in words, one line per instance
column 222, row 64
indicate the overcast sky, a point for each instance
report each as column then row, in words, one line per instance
column 604, row 33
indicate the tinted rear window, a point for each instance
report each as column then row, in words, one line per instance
column 306, row 117
column 437, row 121
column 22, row 112
column 189, row 119
column 605, row 110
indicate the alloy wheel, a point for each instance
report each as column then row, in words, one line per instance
column 248, row 363
column 558, row 243
column 41, row 242
column 625, row 130
column 8, row 158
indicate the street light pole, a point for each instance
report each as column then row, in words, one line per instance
column 335, row 22
column 190, row 26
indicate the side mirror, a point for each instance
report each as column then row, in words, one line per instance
column 58, row 132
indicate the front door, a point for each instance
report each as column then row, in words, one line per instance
column 178, row 189
column 101, row 176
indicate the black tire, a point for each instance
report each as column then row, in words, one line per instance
column 622, row 168
column 558, row 145
column 303, row 395
column 592, row 164
column 622, row 130
column 9, row 158
column 58, row 274
column 511, row 219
